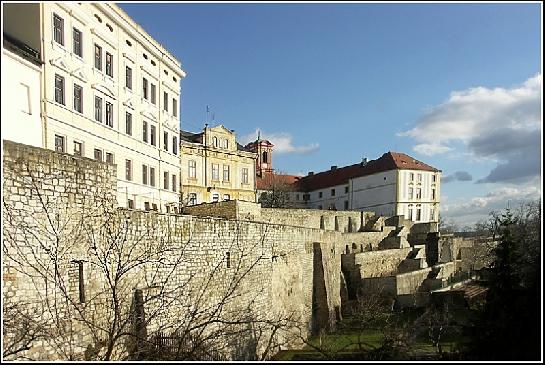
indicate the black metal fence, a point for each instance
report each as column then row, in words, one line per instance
column 176, row 346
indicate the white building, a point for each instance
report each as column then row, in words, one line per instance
column 394, row 184
column 21, row 73
column 109, row 92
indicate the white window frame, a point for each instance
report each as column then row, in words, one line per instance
column 215, row 172
column 82, row 145
column 192, row 198
column 62, row 89
column 128, row 171
column 101, row 154
column 61, row 137
column 62, row 29
column 226, row 169
column 245, row 179
column 74, row 30
column 74, row 86
column 192, row 169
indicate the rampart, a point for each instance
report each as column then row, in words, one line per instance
column 243, row 280
column 62, row 228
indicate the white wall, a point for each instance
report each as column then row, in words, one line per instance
column 166, row 75
column 21, row 120
column 426, row 202
column 375, row 193
column 327, row 200
column 384, row 193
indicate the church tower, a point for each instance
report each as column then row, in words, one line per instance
column 264, row 149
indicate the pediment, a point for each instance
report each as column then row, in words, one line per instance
column 221, row 128
column 105, row 89
column 80, row 74
column 148, row 114
column 129, row 103
column 61, row 63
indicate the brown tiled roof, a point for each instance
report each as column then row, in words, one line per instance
column 263, row 183
column 339, row 176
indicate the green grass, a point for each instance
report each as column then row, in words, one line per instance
column 348, row 341
column 344, row 343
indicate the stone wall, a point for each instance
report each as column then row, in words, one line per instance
column 60, row 220
column 231, row 209
column 225, row 273
column 342, row 221
column 223, row 209
column 40, row 190
column 374, row 263
column 408, row 283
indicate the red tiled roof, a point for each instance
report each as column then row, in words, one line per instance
column 339, row 176
column 263, row 183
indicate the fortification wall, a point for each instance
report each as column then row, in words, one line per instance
column 225, row 272
column 231, row 209
column 401, row 284
column 64, row 238
column 408, row 283
column 342, row 221
column 375, row 263
column 40, row 190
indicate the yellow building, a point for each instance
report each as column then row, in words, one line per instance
column 215, row 167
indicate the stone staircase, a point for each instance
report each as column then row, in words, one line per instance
column 416, row 260
column 396, row 239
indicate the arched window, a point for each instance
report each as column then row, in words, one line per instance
column 215, row 141
column 265, row 157
column 225, row 143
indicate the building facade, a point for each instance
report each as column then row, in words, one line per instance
column 394, row 184
column 109, row 92
column 21, row 75
column 215, row 167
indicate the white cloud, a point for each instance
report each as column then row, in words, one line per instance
column 470, row 211
column 283, row 142
column 431, row 149
column 502, row 124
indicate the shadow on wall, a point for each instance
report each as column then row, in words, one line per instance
column 351, row 273
column 320, row 311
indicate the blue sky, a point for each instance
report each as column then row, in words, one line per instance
column 457, row 86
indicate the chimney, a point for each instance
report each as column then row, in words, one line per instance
column 334, row 167
column 311, row 173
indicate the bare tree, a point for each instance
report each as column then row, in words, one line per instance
column 278, row 190
column 102, row 283
column 446, row 225
column 369, row 312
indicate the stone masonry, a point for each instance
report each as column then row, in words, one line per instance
column 247, row 280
